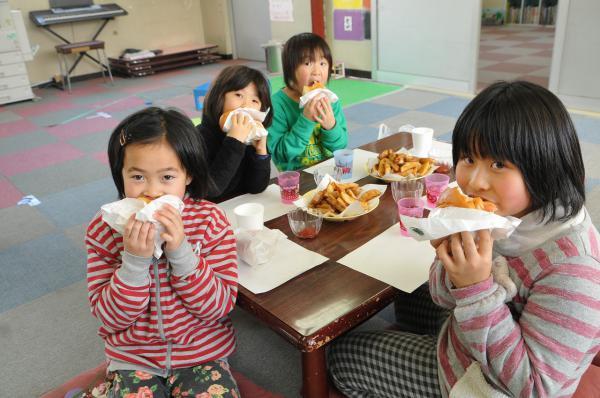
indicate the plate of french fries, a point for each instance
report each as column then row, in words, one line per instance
column 399, row 165
column 336, row 201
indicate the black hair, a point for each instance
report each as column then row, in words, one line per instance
column 528, row 126
column 297, row 50
column 234, row 78
column 149, row 126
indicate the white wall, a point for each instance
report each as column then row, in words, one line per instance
column 282, row 31
column 575, row 71
column 354, row 54
column 427, row 42
column 151, row 24
column 215, row 19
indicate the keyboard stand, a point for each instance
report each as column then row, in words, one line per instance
column 81, row 55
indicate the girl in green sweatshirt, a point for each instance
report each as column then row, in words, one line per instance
column 299, row 137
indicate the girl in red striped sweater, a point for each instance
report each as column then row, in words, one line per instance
column 164, row 320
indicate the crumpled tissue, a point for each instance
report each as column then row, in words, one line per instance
column 116, row 214
column 257, row 247
column 450, row 220
column 257, row 117
column 318, row 93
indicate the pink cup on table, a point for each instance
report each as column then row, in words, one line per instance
column 410, row 207
column 289, row 186
column 435, row 184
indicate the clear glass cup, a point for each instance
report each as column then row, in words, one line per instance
column 289, row 186
column 333, row 171
column 410, row 207
column 406, row 189
column 435, row 184
column 303, row 224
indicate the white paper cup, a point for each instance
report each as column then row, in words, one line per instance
column 249, row 216
column 422, row 138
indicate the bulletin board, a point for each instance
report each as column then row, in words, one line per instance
column 352, row 19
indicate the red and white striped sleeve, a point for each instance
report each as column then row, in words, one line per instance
column 211, row 290
column 115, row 303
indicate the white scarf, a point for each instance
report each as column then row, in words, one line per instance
column 532, row 232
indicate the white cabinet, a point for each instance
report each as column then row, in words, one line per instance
column 14, row 82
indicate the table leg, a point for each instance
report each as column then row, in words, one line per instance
column 314, row 374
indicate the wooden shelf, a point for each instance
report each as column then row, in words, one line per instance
column 170, row 58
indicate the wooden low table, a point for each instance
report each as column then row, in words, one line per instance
column 319, row 305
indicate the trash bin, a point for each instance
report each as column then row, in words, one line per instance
column 273, row 56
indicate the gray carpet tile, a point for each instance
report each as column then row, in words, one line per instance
column 192, row 80
column 61, row 176
column 76, row 234
column 439, row 123
column 48, row 341
column 93, row 142
column 361, row 135
column 25, row 141
column 7, row 116
column 588, row 128
column 409, row 99
column 104, row 97
column 369, row 113
column 78, row 205
column 450, row 106
column 21, row 224
column 163, row 93
column 59, row 117
column 265, row 357
column 38, row 267
column 593, row 205
column 591, row 160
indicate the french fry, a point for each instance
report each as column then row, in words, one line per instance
column 336, row 197
column 402, row 164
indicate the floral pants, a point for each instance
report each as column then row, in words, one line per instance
column 209, row 380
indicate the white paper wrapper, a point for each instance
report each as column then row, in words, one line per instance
column 117, row 213
column 394, row 176
column 318, row 93
column 449, row 220
column 257, row 247
column 258, row 131
column 353, row 210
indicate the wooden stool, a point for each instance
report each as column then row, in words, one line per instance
column 63, row 50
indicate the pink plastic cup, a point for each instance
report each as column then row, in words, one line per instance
column 410, row 207
column 289, row 186
column 435, row 184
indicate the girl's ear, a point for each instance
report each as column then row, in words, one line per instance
column 188, row 180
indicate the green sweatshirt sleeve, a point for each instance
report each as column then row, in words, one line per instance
column 337, row 137
column 289, row 133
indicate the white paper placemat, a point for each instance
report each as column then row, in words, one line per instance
column 289, row 260
column 393, row 259
column 359, row 168
column 270, row 198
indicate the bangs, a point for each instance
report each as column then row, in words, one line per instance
column 497, row 130
column 312, row 53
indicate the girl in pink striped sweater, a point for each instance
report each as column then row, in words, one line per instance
column 164, row 320
column 521, row 316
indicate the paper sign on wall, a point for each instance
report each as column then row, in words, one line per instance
column 281, row 10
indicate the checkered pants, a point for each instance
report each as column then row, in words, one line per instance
column 391, row 363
